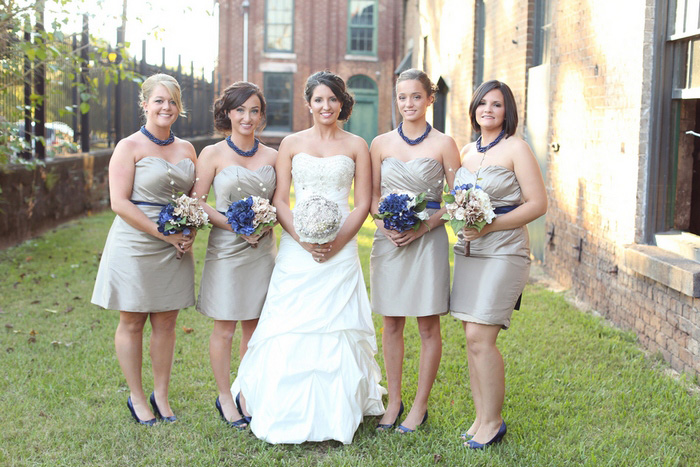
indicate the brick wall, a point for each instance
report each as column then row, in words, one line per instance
column 320, row 42
column 33, row 200
column 599, row 104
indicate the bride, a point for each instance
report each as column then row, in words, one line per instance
column 309, row 373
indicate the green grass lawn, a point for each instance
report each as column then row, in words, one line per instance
column 578, row 391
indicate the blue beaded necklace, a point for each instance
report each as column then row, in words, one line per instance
column 479, row 148
column 413, row 142
column 240, row 151
column 159, row 142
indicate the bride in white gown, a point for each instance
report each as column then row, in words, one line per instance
column 309, row 373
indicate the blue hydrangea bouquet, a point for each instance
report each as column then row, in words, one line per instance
column 249, row 216
column 182, row 214
column 401, row 211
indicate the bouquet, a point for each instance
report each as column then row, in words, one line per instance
column 181, row 215
column 401, row 211
column 468, row 206
column 317, row 220
column 249, row 216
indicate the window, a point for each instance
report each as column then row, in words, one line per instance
column 543, row 25
column 674, row 178
column 362, row 27
column 279, row 26
column 278, row 95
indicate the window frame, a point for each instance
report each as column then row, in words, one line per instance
column 375, row 22
column 271, row 102
column 267, row 24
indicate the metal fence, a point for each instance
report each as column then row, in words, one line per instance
column 113, row 114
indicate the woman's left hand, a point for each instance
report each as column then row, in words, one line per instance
column 188, row 240
column 473, row 234
column 407, row 237
column 321, row 252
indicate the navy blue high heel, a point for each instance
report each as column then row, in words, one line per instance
column 150, row 422
column 403, row 430
column 240, row 410
column 238, row 424
column 389, row 426
column 156, row 410
column 471, row 444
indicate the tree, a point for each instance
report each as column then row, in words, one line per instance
column 37, row 62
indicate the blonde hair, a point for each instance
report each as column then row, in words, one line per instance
column 169, row 83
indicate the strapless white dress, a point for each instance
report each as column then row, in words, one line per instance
column 309, row 373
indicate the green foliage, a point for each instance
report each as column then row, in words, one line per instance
column 52, row 49
column 579, row 392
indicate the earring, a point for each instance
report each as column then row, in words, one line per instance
column 311, row 111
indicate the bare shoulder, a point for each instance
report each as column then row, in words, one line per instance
column 517, row 143
column 469, row 147
column 268, row 154
column 382, row 140
column 185, row 146
column 354, row 139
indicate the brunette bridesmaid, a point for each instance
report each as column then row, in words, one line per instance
column 488, row 282
column 237, row 268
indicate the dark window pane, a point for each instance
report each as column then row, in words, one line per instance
column 278, row 95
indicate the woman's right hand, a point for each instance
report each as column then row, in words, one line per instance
column 318, row 250
column 180, row 241
column 251, row 239
column 392, row 235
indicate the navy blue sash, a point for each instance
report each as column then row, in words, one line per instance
column 504, row 209
column 432, row 205
column 146, row 203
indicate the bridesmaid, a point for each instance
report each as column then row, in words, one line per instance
column 487, row 283
column 237, row 268
column 139, row 273
column 410, row 271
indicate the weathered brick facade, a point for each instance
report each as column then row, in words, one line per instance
column 320, row 42
column 597, row 105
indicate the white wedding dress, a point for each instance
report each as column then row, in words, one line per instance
column 309, row 373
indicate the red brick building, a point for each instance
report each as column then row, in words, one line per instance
column 277, row 44
column 607, row 97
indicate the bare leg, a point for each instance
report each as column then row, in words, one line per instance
column 430, row 354
column 488, row 366
column 162, row 351
column 474, row 385
column 393, row 348
column 128, row 342
column 220, row 358
column 247, row 329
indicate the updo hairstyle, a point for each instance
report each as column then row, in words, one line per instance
column 336, row 85
column 234, row 96
column 169, row 83
column 421, row 77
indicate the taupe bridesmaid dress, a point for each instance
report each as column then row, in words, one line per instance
column 236, row 275
column 139, row 272
column 487, row 284
column 412, row 280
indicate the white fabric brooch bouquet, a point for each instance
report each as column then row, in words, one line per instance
column 468, row 207
column 317, row 220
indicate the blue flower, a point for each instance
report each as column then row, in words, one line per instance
column 396, row 214
column 166, row 217
column 240, row 215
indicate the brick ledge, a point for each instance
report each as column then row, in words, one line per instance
column 665, row 267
